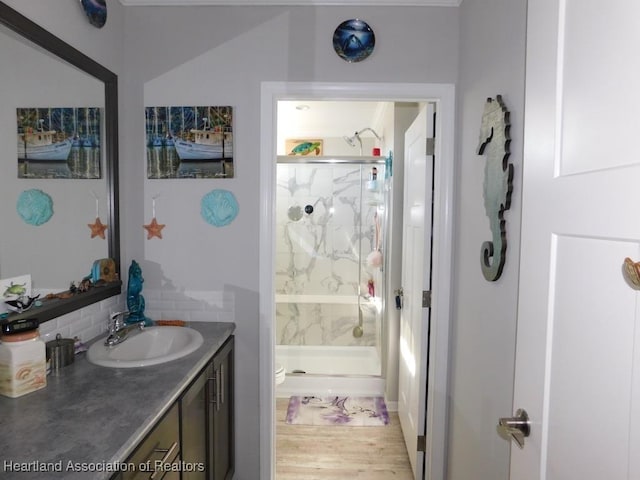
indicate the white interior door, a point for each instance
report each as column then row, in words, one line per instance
column 578, row 340
column 416, row 270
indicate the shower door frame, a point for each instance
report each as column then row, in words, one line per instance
column 359, row 161
column 443, row 95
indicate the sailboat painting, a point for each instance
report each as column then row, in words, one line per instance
column 189, row 142
column 59, row 142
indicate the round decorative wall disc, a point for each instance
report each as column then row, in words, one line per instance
column 34, row 207
column 96, row 11
column 219, row 207
column 353, row 40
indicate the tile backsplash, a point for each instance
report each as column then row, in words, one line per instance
column 86, row 323
column 190, row 305
column 196, row 306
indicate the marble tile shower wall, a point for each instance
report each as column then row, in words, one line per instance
column 324, row 324
column 318, row 255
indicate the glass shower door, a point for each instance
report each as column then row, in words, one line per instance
column 329, row 276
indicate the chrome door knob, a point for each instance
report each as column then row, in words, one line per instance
column 517, row 427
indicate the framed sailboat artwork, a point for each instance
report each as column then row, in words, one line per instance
column 189, row 142
column 59, row 142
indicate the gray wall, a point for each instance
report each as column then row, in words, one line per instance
column 67, row 20
column 219, row 56
column 492, row 43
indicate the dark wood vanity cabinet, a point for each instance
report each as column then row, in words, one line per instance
column 194, row 426
column 158, row 456
column 200, row 425
column 207, row 415
column 221, row 436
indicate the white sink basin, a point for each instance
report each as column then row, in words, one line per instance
column 151, row 346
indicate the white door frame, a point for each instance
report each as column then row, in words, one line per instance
column 437, row 397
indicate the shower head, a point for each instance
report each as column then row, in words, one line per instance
column 351, row 141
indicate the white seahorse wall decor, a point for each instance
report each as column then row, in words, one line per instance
column 498, row 183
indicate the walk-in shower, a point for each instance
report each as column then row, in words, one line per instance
column 331, row 217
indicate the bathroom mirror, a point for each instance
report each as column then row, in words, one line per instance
column 43, row 78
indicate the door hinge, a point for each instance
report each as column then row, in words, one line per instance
column 426, row 299
column 431, row 146
column 422, row 443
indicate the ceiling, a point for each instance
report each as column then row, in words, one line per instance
column 298, row 119
column 342, row 3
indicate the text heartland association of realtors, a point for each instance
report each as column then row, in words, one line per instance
column 70, row 466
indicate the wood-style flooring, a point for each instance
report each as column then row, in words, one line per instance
column 338, row 452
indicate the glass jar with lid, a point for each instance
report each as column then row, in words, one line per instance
column 23, row 367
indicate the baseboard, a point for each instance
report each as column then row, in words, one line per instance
column 391, row 406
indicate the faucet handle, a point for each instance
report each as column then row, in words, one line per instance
column 116, row 320
column 114, row 316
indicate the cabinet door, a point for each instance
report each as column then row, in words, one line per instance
column 159, row 454
column 221, row 435
column 193, row 427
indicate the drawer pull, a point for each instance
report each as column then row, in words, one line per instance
column 218, row 388
column 222, row 383
column 213, row 391
column 168, row 453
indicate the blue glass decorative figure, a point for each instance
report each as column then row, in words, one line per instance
column 135, row 300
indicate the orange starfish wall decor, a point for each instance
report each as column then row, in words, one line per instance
column 154, row 229
column 97, row 228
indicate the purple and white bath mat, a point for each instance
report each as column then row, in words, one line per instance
column 350, row 411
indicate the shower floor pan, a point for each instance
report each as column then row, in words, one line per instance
column 329, row 370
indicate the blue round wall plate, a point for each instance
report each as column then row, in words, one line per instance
column 34, row 207
column 96, row 11
column 219, row 207
column 353, row 40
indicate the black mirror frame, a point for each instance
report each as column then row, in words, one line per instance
column 47, row 41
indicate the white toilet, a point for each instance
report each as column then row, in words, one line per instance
column 280, row 374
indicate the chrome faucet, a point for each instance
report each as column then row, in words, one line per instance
column 119, row 330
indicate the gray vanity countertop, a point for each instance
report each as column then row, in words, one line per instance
column 90, row 418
